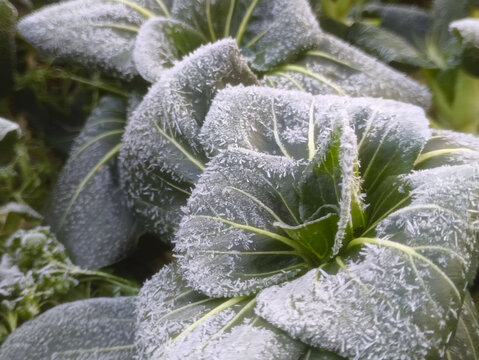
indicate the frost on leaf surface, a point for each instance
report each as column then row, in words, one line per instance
column 269, row 32
column 87, row 209
column 390, row 135
column 404, row 288
column 96, row 34
column 160, row 43
column 161, row 156
column 448, row 148
column 468, row 30
column 268, row 217
column 94, row 329
column 9, row 135
column 175, row 322
column 334, row 67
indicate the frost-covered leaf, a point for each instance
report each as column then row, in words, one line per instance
column 8, row 19
column 334, row 67
column 410, row 22
column 390, row 134
column 97, row 34
column 468, row 31
column 175, row 322
column 161, row 156
column 9, row 135
column 448, row 148
column 386, row 45
column 240, row 197
column 269, row 32
column 160, row 43
column 400, row 296
column 95, row 329
column 87, row 209
column 317, row 354
column 269, row 217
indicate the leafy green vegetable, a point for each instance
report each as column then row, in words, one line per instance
column 419, row 252
column 9, row 135
column 94, row 329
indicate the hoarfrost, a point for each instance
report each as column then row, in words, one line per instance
column 161, row 157
column 101, row 329
column 407, row 283
column 334, row 67
column 276, row 31
column 236, row 202
column 468, row 29
column 176, row 322
column 98, row 34
column 161, row 42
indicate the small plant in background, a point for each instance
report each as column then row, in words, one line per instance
column 307, row 223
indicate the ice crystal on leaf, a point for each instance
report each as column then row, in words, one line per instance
column 161, row 157
column 94, row 329
column 270, row 207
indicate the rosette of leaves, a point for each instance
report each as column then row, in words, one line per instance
column 328, row 228
column 414, row 37
column 164, row 41
column 99, row 329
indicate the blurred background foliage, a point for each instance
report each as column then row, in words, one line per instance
column 50, row 102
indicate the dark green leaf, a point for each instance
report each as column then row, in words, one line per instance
column 8, row 19
column 9, row 135
column 95, row 329
column 334, row 67
column 386, row 45
column 176, row 322
column 269, row 32
column 401, row 295
column 161, row 156
column 160, row 43
column 465, row 344
column 87, row 209
column 97, row 34
column 409, row 22
column 448, row 148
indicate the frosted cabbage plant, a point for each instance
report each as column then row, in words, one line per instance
column 327, row 228
column 189, row 50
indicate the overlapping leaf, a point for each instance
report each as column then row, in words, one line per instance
column 268, row 32
column 161, row 156
column 468, row 31
column 98, row 34
column 175, row 322
column 267, row 214
column 95, row 329
column 333, row 67
column 87, row 209
column 448, row 148
column 9, row 135
column 421, row 259
column 277, row 122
